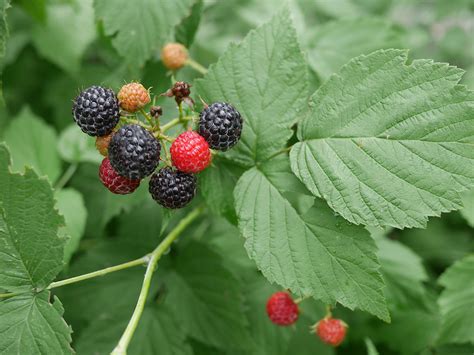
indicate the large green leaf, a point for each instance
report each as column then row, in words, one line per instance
column 140, row 27
column 29, row 324
column 68, row 31
column 186, row 30
column 311, row 251
column 457, row 302
column 4, row 5
column 71, row 205
column 403, row 273
column 206, row 298
column 32, row 251
column 388, row 143
column 468, row 209
column 33, row 143
column 265, row 78
column 332, row 45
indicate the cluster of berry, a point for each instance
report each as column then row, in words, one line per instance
column 283, row 310
column 132, row 148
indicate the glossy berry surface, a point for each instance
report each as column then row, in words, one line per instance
column 190, row 152
column 96, row 111
column 172, row 188
column 133, row 152
column 331, row 331
column 221, row 125
column 281, row 309
column 133, row 97
column 114, row 182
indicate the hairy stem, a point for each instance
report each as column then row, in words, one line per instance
column 196, row 66
column 121, row 348
column 66, row 176
column 174, row 122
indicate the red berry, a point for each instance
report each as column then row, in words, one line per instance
column 190, row 152
column 114, row 182
column 331, row 331
column 281, row 309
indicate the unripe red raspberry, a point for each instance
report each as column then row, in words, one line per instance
column 190, row 152
column 114, row 182
column 281, row 309
column 102, row 144
column 331, row 331
column 174, row 56
column 133, row 97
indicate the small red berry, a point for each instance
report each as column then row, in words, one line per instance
column 281, row 309
column 190, row 152
column 331, row 331
column 114, row 182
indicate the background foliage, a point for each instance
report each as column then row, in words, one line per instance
column 208, row 296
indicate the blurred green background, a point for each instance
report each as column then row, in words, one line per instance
column 55, row 48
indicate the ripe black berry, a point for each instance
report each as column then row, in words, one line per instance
column 96, row 111
column 221, row 125
column 172, row 188
column 133, row 152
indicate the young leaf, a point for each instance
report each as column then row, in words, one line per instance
column 29, row 324
column 71, row 205
column 389, row 143
column 332, row 45
column 33, row 143
column 265, row 78
column 32, row 251
column 457, row 302
column 311, row 252
column 68, row 31
column 156, row 18
column 206, row 298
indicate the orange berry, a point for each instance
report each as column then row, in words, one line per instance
column 174, row 55
column 133, row 97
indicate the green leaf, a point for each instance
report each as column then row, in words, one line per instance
column 32, row 252
column 206, row 298
column 68, row 31
column 332, row 45
column 388, row 143
column 157, row 333
column 312, row 252
column 403, row 273
column 439, row 243
column 71, row 205
column 186, row 30
column 156, row 18
column 36, row 9
column 102, row 205
column 457, row 302
column 74, row 146
column 265, row 78
column 468, row 209
column 29, row 324
column 216, row 183
column 4, row 5
column 33, row 143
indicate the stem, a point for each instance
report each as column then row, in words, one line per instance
column 282, row 151
column 66, row 176
column 196, row 66
column 134, row 121
column 147, row 116
column 174, row 122
column 124, row 341
column 143, row 260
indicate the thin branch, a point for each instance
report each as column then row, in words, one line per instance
column 66, row 176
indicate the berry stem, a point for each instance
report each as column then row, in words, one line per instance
column 155, row 256
column 66, row 176
column 196, row 66
column 174, row 122
column 148, row 118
